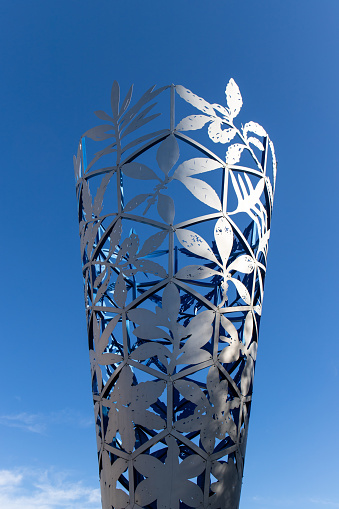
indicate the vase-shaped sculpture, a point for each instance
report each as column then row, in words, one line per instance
column 174, row 234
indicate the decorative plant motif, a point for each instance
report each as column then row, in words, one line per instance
column 128, row 404
column 111, row 496
column 153, row 435
column 215, row 130
column 248, row 348
column 227, row 489
column 186, row 342
column 123, row 122
column 164, row 487
column 167, row 156
column 249, row 202
column 212, row 415
column 223, row 235
column 126, row 260
column 98, row 356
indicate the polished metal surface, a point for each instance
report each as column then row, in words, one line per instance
column 174, row 233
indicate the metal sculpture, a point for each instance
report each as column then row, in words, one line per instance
column 174, row 243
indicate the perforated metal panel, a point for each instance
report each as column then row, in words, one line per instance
column 174, row 224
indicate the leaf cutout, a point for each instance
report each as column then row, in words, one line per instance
column 248, row 329
column 115, row 98
column 100, row 277
column 192, row 392
column 168, row 154
column 195, row 100
column 196, row 272
column 229, row 328
column 165, row 208
column 202, row 191
column 152, row 243
column 139, row 171
column 100, row 132
column 86, row 200
column 196, row 244
column 192, row 123
column 150, row 267
column 232, row 352
column 140, row 120
column 142, row 138
column 145, row 98
column 242, row 290
column 274, row 163
column 135, row 202
column 256, row 143
column 195, row 166
column 103, row 116
column 102, row 289
column 171, row 302
column 243, row 263
column 105, row 336
column 233, row 97
column 234, row 152
column 254, row 128
column 263, row 243
column 120, row 291
column 99, row 197
column 224, row 111
column 247, row 376
column 77, row 163
column 223, row 235
column 219, row 135
column 149, row 350
column 115, row 236
column 126, row 101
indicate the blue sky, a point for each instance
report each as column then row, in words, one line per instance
column 58, row 62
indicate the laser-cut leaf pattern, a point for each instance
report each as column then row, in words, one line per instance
column 174, row 238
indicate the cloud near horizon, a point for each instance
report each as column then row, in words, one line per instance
column 37, row 489
column 38, row 423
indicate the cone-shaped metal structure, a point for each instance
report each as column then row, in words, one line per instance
column 174, row 224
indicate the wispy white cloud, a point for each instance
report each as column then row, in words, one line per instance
column 324, row 502
column 25, row 421
column 39, row 423
column 34, row 489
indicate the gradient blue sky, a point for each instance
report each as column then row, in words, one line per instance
column 58, row 61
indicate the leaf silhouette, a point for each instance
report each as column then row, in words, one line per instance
column 128, row 404
column 152, row 243
column 196, row 272
column 223, row 235
column 196, row 244
column 139, row 171
column 103, row 116
column 166, row 208
column 192, row 123
column 243, row 263
column 168, row 154
column 195, row 100
column 115, row 98
column 100, row 132
column 156, row 486
column 233, row 97
column 202, row 191
column 219, row 135
column 254, row 128
column 234, row 152
column 99, row 197
column 256, row 143
column 135, row 202
column 195, row 166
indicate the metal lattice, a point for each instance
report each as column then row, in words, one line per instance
column 174, row 246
